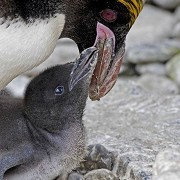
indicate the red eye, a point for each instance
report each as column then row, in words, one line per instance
column 108, row 15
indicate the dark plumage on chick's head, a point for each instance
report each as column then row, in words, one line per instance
column 52, row 91
column 107, row 21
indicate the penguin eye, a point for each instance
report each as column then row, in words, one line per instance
column 108, row 15
column 59, row 90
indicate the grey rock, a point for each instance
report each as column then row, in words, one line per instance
column 177, row 13
column 126, row 166
column 148, row 1
column 97, row 157
column 176, row 31
column 127, row 69
column 158, row 84
column 153, row 24
column 169, row 176
column 100, row 174
column 75, row 176
column 173, row 69
column 153, row 52
column 151, row 68
column 134, row 124
column 143, row 173
column 62, row 176
column 167, row 165
column 167, row 4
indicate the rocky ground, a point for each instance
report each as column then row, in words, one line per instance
column 134, row 132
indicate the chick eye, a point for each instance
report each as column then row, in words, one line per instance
column 108, row 15
column 59, row 90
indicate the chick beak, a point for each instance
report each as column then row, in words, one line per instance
column 108, row 64
column 83, row 66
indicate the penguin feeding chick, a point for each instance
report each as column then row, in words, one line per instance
column 43, row 135
column 29, row 31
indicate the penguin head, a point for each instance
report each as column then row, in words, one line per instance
column 51, row 102
column 90, row 20
column 82, row 18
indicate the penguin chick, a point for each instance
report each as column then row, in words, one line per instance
column 43, row 135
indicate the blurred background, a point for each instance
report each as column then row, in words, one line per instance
column 152, row 51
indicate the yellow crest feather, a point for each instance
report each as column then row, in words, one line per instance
column 134, row 7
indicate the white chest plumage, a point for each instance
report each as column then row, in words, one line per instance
column 24, row 46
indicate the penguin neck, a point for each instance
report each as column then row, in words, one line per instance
column 53, row 120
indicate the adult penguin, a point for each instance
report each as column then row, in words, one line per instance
column 29, row 31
